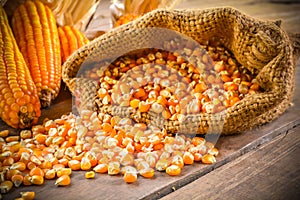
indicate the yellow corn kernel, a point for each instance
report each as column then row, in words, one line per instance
column 10, row 172
column 40, row 138
column 147, row 172
column 18, row 166
column 74, row 164
column 64, row 180
column 6, row 186
column 173, row 170
column 90, row 174
column 36, row 171
column 50, row 174
column 37, row 180
column 213, row 151
column 134, row 103
column 27, row 195
column 113, row 168
column 12, row 138
column 177, row 160
column 25, row 134
column 208, row 159
column 162, row 164
column 63, row 171
column 85, row 164
column 4, row 133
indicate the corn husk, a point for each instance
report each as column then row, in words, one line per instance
column 139, row 7
column 77, row 13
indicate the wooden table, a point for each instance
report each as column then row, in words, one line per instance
column 258, row 164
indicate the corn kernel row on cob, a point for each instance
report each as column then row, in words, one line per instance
column 36, row 33
column 71, row 39
column 19, row 102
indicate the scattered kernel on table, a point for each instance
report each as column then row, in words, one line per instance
column 112, row 149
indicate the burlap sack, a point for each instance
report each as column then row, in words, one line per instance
column 256, row 44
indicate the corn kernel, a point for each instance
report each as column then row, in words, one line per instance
column 27, row 195
column 6, row 186
column 173, row 170
column 90, row 175
column 208, row 159
column 64, row 180
column 37, row 180
column 101, row 168
column 63, row 171
column 147, row 172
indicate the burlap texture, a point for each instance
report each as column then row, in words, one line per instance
column 256, row 44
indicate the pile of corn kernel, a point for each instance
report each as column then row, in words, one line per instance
column 191, row 79
column 95, row 143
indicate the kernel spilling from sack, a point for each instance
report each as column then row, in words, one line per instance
column 262, row 63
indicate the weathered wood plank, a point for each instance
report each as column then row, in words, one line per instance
column 270, row 172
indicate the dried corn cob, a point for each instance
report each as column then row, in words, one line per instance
column 19, row 102
column 36, row 33
column 71, row 39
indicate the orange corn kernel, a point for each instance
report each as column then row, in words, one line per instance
column 147, row 173
column 37, row 180
column 101, row 168
column 27, row 195
column 208, row 159
column 197, row 141
column 74, row 164
column 36, row 171
column 130, row 177
column 144, row 107
column 18, row 166
column 188, row 158
column 173, row 170
column 64, row 180
column 85, row 164
column 40, row 138
column 178, row 160
column 26, row 180
column 58, row 166
column 12, row 138
column 4, row 133
column 17, row 179
column 50, row 174
column 63, row 171
column 6, row 186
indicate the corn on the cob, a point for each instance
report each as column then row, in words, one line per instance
column 19, row 102
column 36, row 33
column 70, row 39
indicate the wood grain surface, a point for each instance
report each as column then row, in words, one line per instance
column 238, row 153
column 269, row 172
